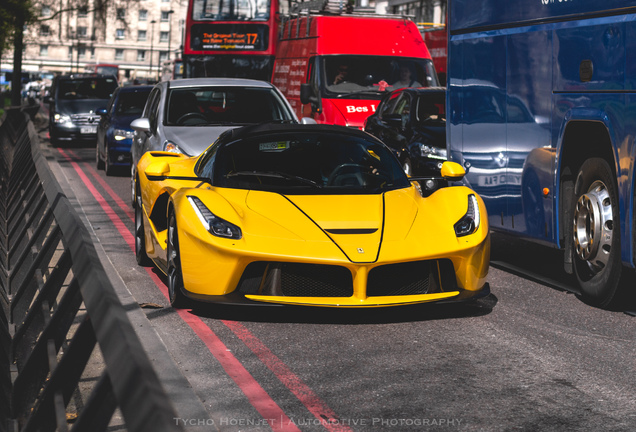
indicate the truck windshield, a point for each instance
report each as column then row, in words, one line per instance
column 349, row 75
column 230, row 10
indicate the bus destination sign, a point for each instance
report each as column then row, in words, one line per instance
column 228, row 37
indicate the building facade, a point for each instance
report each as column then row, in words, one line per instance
column 138, row 36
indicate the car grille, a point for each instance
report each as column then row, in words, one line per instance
column 85, row 119
column 317, row 280
column 297, row 280
column 400, row 279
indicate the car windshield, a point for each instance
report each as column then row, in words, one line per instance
column 306, row 163
column 131, row 103
column 431, row 109
column 217, row 105
column 87, row 88
column 230, row 10
column 362, row 76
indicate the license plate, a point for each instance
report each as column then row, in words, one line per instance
column 499, row 179
column 88, row 130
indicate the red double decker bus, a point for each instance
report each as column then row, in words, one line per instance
column 231, row 38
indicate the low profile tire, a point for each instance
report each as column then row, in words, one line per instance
column 596, row 246
column 108, row 168
column 175, row 277
column 140, row 237
column 99, row 163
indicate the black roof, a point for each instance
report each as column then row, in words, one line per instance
column 136, row 88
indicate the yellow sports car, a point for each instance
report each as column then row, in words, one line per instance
column 307, row 215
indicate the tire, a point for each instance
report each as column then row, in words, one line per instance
column 140, row 237
column 98, row 160
column 108, row 168
column 596, row 245
column 175, row 277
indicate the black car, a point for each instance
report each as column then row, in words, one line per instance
column 73, row 105
column 412, row 122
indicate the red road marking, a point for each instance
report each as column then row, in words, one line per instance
column 257, row 396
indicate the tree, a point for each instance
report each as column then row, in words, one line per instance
column 16, row 15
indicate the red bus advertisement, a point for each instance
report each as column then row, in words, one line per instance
column 230, row 38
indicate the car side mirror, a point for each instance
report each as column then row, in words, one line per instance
column 394, row 120
column 158, row 168
column 307, row 96
column 308, row 121
column 141, row 125
column 452, row 171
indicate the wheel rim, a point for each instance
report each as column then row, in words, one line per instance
column 139, row 230
column 593, row 226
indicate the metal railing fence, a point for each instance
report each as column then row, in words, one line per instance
column 58, row 306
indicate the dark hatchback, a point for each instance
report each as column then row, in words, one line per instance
column 114, row 134
column 412, row 122
column 73, row 105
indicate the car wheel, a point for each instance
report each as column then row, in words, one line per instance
column 175, row 278
column 108, row 168
column 140, row 237
column 596, row 236
column 407, row 167
column 98, row 160
column 133, row 188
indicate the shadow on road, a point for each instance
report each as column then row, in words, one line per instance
column 544, row 264
column 329, row 315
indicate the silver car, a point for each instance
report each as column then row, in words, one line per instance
column 187, row 115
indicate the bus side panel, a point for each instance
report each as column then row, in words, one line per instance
column 529, row 154
column 604, row 98
column 480, row 90
column 471, row 13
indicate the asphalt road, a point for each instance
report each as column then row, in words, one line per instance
column 528, row 357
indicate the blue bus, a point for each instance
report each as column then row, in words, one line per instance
column 542, row 113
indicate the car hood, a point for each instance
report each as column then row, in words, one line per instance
column 79, row 106
column 123, row 122
column 356, row 224
column 193, row 140
column 434, row 136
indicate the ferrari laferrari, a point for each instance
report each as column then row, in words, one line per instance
column 310, row 215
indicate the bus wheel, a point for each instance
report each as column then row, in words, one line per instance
column 596, row 233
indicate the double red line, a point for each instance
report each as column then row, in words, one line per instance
column 257, row 396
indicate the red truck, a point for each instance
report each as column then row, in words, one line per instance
column 336, row 68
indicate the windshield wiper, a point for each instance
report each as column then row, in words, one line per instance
column 274, row 174
column 372, row 91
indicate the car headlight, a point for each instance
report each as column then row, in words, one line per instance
column 469, row 223
column 433, row 152
column 61, row 118
column 122, row 134
column 169, row 146
column 214, row 224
